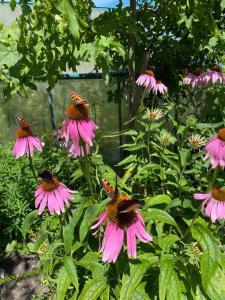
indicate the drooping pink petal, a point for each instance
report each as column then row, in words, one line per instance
column 131, row 241
column 199, row 196
column 102, row 217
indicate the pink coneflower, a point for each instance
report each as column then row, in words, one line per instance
column 215, row 149
column 213, row 76
column 26, row 142
column 147, row 80
column 53, row 193
column 121, row 217
column 80, row 149
column 194, row 78
column 213, row 204
column 78, row 126
column 159, row 87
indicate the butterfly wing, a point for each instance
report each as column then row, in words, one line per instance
column 109, row 190
column 126, row 206
column 22, row 122
column 46, row 175
column 78, row 100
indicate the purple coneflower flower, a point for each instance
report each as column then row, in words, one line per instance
column 213, row 203
column 215, row 149
column 147, row 80
column 159, row 87
column 26, row 142
column 213, row 76
column 78, row 126
column 194, row 78
column 121, row 219
column 52, row 193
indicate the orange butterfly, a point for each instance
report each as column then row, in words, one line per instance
column 22, row 122
column 78, row 100
column 122, row 204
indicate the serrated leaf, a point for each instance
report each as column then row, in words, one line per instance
column 88, row 219
column 156, row 200
column 63, row 283
column 130, row 283
column 93, row 289
column 211, row 252
column 71, row 271
column 28, row 221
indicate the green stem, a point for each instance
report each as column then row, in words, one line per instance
column 31, row 165
column 213, row 178
column 142, row 99
column 87, row 173
column 193, row 220
column 20, row 276
column 117, row 271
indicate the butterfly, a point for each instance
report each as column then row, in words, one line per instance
column 22, row 122
column 78, row 100
column 122, row 203
column 46, row 176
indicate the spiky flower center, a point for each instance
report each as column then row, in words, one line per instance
column 216, row 68
column 50, row 186
column 154, row 114
column 196, row 141
column 218, row 194
column 114, row 216
column 77, row 112
column 150, row 73
column 23, row 132
column 197, row 72
column 221, row 134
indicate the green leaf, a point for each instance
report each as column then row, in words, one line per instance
column 63, row 283
column 222, row 4
column 28, row 221
column 88, row 219
column 129, row 283
column 8, row 56
column 211, row 252
column 166, row 270
column 160, row 215
column 183, row 156
column 127, row 160
column 209, row 125
column 68, row 229
column 216, row 288
column 91, row 262
column 156, row 200
column 139, row 293
column 134, row 147
column 71, row 270
column 93, row 289
column 174, row 290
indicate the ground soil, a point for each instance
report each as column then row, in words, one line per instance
column 24, row 288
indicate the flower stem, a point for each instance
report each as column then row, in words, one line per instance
column 31, row 165
column 192, row 222
column 87, row 173
column 213, row 178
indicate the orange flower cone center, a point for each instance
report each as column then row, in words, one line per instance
column 77, row 112
column 50, row 186
column 150, row 73
column 216, row 68
column 152, row 116
column 121, row 219
column 197, row 72
column 218, row 194
column 221, row 134
column 23, row 132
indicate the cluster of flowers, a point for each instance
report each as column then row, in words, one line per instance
column 121, row 214
column 199, row 78
column 214, row 200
